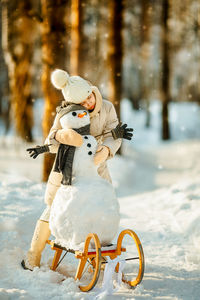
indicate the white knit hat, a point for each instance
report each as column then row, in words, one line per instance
column 74, row 88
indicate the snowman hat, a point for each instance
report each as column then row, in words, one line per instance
column 74, row 88
column 66, row 108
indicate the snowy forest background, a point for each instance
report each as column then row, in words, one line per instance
column 145, row 57
column 140, row 50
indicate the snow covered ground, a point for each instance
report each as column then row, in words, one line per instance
column 158, row 187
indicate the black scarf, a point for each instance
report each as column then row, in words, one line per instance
column 65, row 157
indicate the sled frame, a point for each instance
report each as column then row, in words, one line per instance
column 96, row 256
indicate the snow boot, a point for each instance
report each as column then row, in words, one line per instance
column 40, row 236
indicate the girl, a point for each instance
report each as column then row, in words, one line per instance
column 103, row 119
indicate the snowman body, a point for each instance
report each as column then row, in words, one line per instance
column 90, row 203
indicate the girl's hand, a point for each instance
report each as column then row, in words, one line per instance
column 69, row 137
column 101, row 154
column 122, row 132
column 34, row 152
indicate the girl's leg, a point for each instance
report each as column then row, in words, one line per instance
column 40, row 236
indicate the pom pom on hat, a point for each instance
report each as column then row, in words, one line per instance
column 75, row 89
column 59, row 79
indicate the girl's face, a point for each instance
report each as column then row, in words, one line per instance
column 89, row 102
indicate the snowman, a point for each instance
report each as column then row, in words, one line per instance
column 88, row 203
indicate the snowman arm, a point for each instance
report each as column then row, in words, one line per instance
column 120, row 131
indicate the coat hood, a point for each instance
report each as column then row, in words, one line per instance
column 98, row 97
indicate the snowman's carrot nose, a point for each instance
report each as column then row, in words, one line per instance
column 82, row 115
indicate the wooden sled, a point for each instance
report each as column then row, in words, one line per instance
column 95, row 258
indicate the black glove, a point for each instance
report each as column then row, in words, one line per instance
column 122, row 132
column 34, row 152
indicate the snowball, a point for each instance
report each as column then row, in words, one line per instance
column 89, row 205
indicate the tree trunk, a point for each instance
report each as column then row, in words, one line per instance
column 77, row 39
column 145, row 52
column 17, row 42
column 4, row 87
column 115, row 52
column 53, row 56
column 166, row 73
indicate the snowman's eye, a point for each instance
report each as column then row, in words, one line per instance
column 74, row 113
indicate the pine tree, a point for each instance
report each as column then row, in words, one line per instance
column 77, row 38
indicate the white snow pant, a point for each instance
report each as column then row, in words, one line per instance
column 46, row 214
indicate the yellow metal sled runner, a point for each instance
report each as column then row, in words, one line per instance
column 90, row 260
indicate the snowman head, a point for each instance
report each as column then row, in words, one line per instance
column 74, row 116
